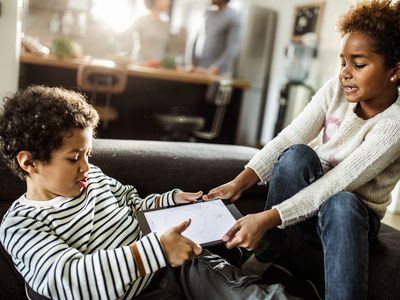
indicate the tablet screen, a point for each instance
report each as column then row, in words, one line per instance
column 210, row 220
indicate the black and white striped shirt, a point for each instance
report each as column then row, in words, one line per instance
column 79, row 248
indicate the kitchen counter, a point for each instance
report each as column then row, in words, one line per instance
column 132, row 70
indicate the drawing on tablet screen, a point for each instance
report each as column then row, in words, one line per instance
column 210, row 220
column 174, row 219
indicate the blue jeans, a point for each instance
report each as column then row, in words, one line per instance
column 343, row 225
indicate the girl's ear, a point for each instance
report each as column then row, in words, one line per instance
column 25, row 162
column 396, row 73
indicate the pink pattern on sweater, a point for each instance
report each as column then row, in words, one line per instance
column 332, row 125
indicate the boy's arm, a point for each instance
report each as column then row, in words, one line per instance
column 55, row 270
column 128, row 194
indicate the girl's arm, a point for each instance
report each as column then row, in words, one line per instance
column 379, row 150
column 303, row 129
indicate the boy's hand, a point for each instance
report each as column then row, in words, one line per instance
column 184, row 197
column 178, row 248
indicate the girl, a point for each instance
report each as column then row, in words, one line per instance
column 338, row 192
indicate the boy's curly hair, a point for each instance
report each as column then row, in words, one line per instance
column 380, row 20
column 35, row 120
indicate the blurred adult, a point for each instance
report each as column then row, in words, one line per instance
column 216, row 44
column 151, row 33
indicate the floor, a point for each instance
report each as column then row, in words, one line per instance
column 392, row 220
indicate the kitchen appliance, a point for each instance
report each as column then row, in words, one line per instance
column 253, row 64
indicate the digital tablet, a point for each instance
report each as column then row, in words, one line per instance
column 210, row 220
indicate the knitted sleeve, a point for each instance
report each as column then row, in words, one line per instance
column 379, row 150
column 302, row 130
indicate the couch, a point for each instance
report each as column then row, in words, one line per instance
column 160, row 166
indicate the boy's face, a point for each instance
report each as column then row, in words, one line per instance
column 364, row 76
column 66, row 172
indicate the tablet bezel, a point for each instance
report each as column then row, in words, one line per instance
column 145, row 228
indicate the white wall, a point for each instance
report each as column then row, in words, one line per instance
column 325, row 65
column 394, row 207
column 10, row 47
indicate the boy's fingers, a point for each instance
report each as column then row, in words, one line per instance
column 196, row 248
column 182, row 226
column 199, row 193
column 194, row 196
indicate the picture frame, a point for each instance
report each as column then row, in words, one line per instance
column 307, row 19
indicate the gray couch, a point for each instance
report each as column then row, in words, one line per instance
column 161, row 166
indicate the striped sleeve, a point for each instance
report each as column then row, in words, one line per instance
column 128, row 195
column 57, row 271
column 148, row 255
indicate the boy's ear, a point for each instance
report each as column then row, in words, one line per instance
column 25, row 162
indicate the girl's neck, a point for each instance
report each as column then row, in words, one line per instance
column 367, row 110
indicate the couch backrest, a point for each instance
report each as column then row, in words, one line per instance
column 153, row 166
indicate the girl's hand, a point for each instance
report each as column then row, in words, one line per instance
column 184, row 197
column 229, row 190
column 247, row 231
column 233, row 189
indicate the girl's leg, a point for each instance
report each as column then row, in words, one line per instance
column 296, row 168
column 345, row 225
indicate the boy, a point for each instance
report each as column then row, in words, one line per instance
column 74, row 234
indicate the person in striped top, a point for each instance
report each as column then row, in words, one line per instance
column 74, row 234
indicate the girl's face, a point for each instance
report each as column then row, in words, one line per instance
column 364, row 76
column 66, row 172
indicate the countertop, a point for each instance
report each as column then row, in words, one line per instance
column 132, row 70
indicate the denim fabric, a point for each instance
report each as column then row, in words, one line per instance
column 343, row 225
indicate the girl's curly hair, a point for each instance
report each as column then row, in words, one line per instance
column 380, row 20
column 35, row 120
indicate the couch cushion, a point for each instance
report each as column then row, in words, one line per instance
column 154, row 166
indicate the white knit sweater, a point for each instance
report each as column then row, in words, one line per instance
column 357, row 155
